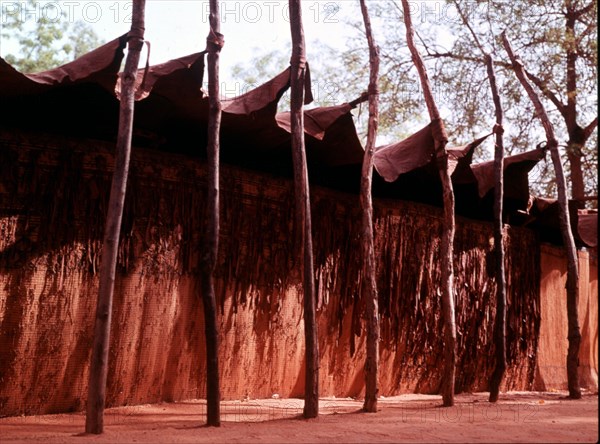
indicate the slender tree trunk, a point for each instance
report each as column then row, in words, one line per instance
column 574, row 334
column 574, row 146
column 94, row 420
column 369, row 282
column 500, row 322
column 578, row 137
column 574, row 154
column 214, row 43
column 303, row 216
column 447, row 244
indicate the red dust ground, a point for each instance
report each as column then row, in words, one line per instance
column 517, row 417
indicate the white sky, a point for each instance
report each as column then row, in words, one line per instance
column 179, row 27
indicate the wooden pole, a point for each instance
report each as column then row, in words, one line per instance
column 210, row 248
column 500, row 321
column 369, row 282
column 574, row 334
column 94, row 420
column 303, row 214
column 447, row 244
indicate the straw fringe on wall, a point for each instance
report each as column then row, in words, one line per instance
column 53, row 203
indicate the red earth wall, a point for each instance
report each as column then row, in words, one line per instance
column 553, row 345
column 53, row 196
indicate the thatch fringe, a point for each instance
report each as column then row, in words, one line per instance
column 53, row 200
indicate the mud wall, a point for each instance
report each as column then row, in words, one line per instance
column 53, row 200
column 553, row 342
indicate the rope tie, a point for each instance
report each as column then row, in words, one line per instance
column 299, row 61
column 214, row 42
column 135, row 38
column 373, row 90
column 146, row 69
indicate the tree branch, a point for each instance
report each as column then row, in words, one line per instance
column 574, row 333
column 369, row 284
column 302, row 210
column 562, row 108
column 588, row 130
column 468, row 25
column 590, row 27
column 584, row 10
column 500, row 320
column 94, row 421
column 539, row 83
column 447, row 239
column 210, row 241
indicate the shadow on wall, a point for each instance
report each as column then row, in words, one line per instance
column 52, row 209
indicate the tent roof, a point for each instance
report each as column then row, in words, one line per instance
column 587, row 227
column 544, row 217
column 81, row 98
column 99, row 66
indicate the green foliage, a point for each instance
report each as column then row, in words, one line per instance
column 46, row 42
column 82, row 39
column 262, row 68
column 338, row 77
column 459, row 78
column 540, row 36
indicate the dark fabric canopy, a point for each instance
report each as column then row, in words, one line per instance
column 395, row 159
column 587, row 227
column 76, row 99
column 516, row 169
column 81, row 99
column 99, row 66
column 544, row 216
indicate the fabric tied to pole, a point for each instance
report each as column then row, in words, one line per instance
column 214, row 42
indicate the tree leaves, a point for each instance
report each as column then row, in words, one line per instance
column 48, row 42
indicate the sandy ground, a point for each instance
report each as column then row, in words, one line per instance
column 517, row 417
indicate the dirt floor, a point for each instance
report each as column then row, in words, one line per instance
column 518, row 417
